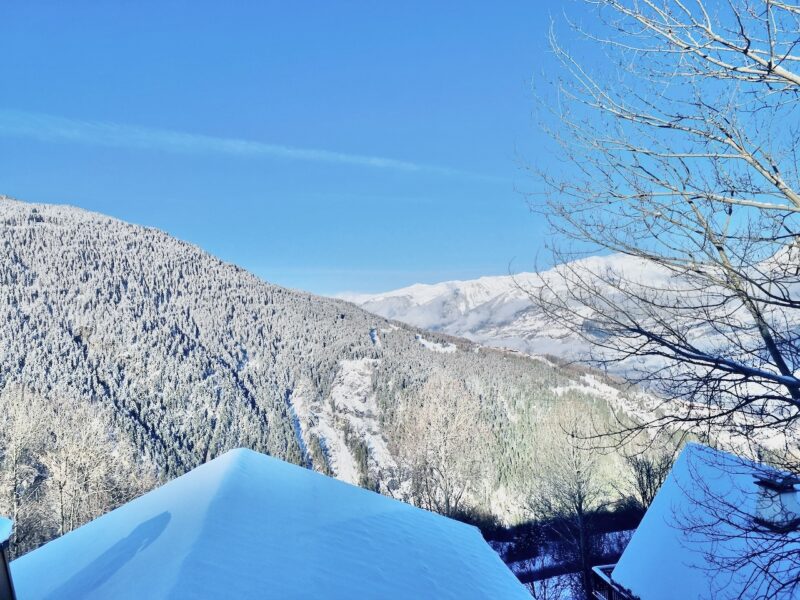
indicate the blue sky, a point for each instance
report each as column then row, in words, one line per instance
column 329, row 146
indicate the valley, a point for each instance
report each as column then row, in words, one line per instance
column 192, row 356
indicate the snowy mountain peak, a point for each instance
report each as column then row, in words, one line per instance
column 494, row 310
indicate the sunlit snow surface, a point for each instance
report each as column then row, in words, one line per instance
column 694, row 539
column 498, row 311
column 5, row 529
column 249, row 526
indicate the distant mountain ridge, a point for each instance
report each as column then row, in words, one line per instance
column 494, row 310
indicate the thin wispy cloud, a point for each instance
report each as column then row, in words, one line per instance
column 50, row 128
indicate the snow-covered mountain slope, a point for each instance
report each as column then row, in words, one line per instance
column 500, row 312
column 494, row 311
column 196, row 356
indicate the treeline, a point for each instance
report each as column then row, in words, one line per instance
column 61, row 465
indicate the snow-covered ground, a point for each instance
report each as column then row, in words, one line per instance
column 436, row 346
column 351, row 407
column 547, row 561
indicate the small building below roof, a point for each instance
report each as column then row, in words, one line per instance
column 720, row 527
column 249, row 526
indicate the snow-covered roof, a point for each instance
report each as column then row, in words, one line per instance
column 699, row 538
column 5, row 530
column 249, row 526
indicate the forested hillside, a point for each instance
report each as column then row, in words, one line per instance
column 188, row 356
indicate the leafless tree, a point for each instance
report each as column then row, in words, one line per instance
column 60, row 466
column 681, row 137
column 568, row 486
column 685, row 162
column 88, row 471
column 21, row 473
column 553, row 588
column 647, row 465
column 439, row 440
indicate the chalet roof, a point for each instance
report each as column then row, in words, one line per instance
column 706, row 520
column 249, row 526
